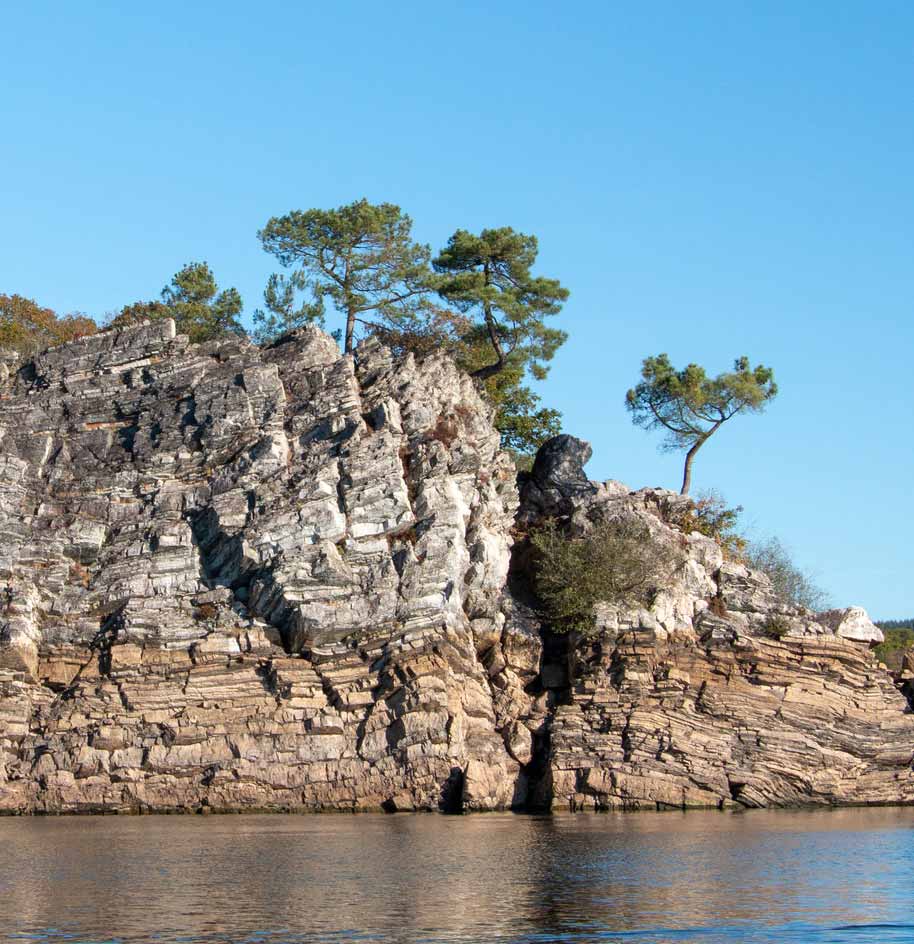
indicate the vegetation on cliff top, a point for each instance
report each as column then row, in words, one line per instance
column 361, row 257
column 27, row 328
column 689, row 407
column 899, row 638
column 617, row 562
column 620, row 563
column 710, row 515
column 478, row 300
column 193, row 299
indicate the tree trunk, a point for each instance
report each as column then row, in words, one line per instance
column 687, row 471
column 491, row 369
column 350, row 331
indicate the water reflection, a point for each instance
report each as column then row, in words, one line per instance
column 710, row 877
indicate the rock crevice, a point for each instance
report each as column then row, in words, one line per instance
column 243, row 578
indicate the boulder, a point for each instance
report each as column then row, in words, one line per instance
column 852, row 622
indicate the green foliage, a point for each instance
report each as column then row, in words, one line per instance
column 193, row 299
column 361, row 256
column 789, row 582
column 690, row 407
column 618, row 562
column 898, row 639
column 523, row 423
column 26, row 327
column 710, row 515
column 200, row 309
column 281, row 314
column 776, row 627
column 488, row 278
column 896, row 624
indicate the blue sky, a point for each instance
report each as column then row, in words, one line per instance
column 708, row 179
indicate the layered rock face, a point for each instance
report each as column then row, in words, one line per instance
column 250, row 578
column 718, row 693
column 242, row 578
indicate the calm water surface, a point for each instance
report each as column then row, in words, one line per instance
column 830, row 876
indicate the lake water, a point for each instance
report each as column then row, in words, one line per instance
column 829, row 876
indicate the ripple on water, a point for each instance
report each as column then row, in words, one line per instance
column 715, row 878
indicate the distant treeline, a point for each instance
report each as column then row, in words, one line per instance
column 896, row 624
column 899, row 638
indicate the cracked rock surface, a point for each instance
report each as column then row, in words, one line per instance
column 250, row 578
column 239, row 578
column 718, row 694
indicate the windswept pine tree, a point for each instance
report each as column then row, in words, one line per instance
column 487, row 279
column 689, row 407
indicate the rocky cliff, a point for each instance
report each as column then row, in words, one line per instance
column 242, row 578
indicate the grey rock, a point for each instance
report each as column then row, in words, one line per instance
column 238, row 578
column 695, row 701
column 853, row 622
column 259, row 568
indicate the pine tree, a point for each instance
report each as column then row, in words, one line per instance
column 360, row 256
column 690, row 407
column 193, row 299
column 488, row 277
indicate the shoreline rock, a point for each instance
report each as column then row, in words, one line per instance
column 236, row 579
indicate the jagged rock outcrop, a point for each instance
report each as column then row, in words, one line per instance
column 719, row 693
column 252, row 578
column 242, row 578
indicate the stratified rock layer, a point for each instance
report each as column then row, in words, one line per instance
column 249, row 578
column 243, row 578
column 719, row 693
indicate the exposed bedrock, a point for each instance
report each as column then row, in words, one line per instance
column 718, row 694
column 242, row 578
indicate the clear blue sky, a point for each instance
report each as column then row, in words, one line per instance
column 709, row 179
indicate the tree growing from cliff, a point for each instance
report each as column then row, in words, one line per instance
column 690, row 407
column 790, row 583
column 523, row 423
column 618, row 562
column 26, row 327
column 193, row 299
column 488, row 278
column 361, row 257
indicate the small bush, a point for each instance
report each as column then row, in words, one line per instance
column 717, row 605
column 205, row 612
column 618, row 562
column 776, row 627
column 445, row 431
column 787, row 580
column 709, row 515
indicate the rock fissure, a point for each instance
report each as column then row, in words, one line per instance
column 281, row 578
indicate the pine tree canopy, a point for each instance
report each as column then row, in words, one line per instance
column 362, row 257
column 193, row 299
column 281, row 314
column 690, row 407
column 488, row 277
